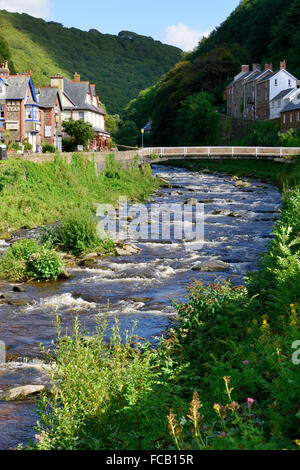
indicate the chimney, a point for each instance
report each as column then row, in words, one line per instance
column 57, row 81
column 269, row 66
column 245, row 68
column 4, row 70
column 283, row 65
column 255, row 67
column 76, row 77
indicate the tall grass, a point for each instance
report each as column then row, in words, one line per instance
column 33, row 194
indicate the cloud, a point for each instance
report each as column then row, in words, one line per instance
column 38, row 8
column 182, row 36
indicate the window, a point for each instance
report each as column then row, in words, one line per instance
column 29, row 113
column 2, row 111
column 284, row 118
column 81, row 116
column 291, row 117
column 298, row 116
column 290, row 82
column 276, row 82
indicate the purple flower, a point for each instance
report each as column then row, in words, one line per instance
column 246, row 363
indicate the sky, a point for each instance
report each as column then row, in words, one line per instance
column 176, row 22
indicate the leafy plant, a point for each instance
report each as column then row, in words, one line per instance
column 26, row 260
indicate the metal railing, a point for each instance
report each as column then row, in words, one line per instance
column 230, row 152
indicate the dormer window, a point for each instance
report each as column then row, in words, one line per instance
column 290, row 82
column 276, row 82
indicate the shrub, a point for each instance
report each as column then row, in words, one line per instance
column 26, row 260
column 47, row 148
column 77, row 233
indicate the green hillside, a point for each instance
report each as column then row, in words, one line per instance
column 258, row 31
column 120, row 66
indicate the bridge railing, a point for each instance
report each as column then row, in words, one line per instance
column 279, row 152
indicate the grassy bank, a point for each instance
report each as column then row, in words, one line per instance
column 227, row 377
column 34, row 194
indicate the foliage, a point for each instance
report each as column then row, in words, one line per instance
column 25, row 260
column 108, row 394
column 197, row 121
column 34, row 194
column 118, row 65
column 47, row 148
column 291, row 138
column 261, row 134
column 81, row 132
column 77, row 233
column 128, row 134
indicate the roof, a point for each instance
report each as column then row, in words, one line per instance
column 291, row 107
column 245, row 76
column 282, row 94
column 47, row 96
column 77, row 92
column 17, row 87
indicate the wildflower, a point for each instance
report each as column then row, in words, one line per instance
column 234, row 406
column 250, row 402
column 220, row 410
column 246, row 363
column 222, row 435
column 251, row 345
column 228, row 390
column 195, row 407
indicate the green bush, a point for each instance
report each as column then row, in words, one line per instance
column 77, row 233
column 26, row 260
column 47, row 148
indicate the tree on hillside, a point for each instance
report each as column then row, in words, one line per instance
column 79, row 131
column 197, row 122
column 128, row 134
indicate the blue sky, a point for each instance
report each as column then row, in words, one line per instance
column 177, row 22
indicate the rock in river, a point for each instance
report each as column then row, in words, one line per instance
column 210, row 266
column 22, row 392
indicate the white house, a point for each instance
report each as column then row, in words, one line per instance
column 280, row 101
column 81, row 102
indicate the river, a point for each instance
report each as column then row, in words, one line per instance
column 135, row 288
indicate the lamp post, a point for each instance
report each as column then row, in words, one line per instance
column 142, row 132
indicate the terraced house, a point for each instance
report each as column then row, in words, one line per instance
column 80, row 101
column 19, row 109
column 251, row 95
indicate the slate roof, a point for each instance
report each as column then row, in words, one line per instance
column 282, row 94
column 77, row 91
column 17, row 87
column 291, row 107
column 47, row 96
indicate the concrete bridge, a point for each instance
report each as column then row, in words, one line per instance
column 161, row 154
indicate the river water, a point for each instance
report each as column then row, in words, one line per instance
column 134, row 288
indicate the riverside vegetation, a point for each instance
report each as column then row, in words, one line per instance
column 36, row 194
column 222, row 379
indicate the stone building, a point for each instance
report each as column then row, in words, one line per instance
column 20, row 113
column 290, row 117
column 249, row 96
column 50, row 103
